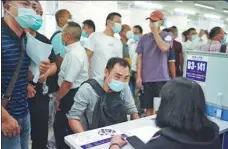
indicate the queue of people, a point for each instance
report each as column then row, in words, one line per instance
column 90, row 75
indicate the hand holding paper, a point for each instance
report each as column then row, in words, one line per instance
column 44, row 66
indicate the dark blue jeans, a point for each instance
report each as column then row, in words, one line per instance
column 18, row 142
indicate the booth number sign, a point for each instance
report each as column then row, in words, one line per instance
column 196, row 68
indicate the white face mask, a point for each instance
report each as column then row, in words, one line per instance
column 129, row 34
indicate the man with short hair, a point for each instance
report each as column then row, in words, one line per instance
column 87, row 29
column 179, row 57
column 101, row 46
column 73, row 72
column 126, row 34
column 38, row 98
column 152, row 68
column 15, row 112
column 61, row 16
column 194, row 41
column 81, row 114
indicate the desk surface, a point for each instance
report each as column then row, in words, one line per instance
column 143, row 122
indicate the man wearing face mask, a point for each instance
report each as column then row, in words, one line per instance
column 18, row 15
column 152, row 68
column 87, row 29
column 217, row 38
column 126, row 34
column 101, row 46
column 73, row 72
column 114, row 82
column 194, row 41
column 61, row 16
column 38, row 100
column 132, row 44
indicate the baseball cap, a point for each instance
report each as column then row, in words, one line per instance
column 156, row 15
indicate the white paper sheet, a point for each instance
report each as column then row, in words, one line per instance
column 37, row 51
column 34, row 68
column 144, row 133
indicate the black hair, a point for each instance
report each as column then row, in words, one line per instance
column 90, row 24
column 4, row 1
column 183, row 108
column 166, row 30
column 139, row 27
column 173, row 27
column 185, row 34
column 59, row 14
column 111, row 16
column 191, row 29
column 116, row 60
column 77, row 35
column 214, row 32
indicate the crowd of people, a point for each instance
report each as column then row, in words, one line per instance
column 93, row 79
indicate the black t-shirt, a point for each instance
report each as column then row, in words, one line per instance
column 52, row 58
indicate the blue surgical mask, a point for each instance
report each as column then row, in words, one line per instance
column 116, row 86
column 27, row 18
column 117, row 28
column 84, row 34
column 195, row 37
column 223, row 41
column 136, row 37
column 38, row 23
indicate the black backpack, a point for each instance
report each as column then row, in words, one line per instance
column 109, row 108
column 53, row 80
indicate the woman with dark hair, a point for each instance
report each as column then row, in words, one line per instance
column 182, row 119
column 184, row 36
column 217, row 38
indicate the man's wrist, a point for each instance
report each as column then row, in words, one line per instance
column 114, row 146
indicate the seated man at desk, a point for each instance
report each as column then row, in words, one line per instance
column 117, row 73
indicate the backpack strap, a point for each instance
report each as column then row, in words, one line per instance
column 55, row 33
column 96, row 86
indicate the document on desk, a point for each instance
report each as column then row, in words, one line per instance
column 144, row 133
column 95, row 139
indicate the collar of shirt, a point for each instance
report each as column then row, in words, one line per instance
column 72, row 46
column 58, row 28
column 10, row 32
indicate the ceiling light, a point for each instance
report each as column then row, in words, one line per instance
column 184, row 11
column 148, row 5
column 204, row 6
column 179, row 1
column 212, row 16
column 225, row 10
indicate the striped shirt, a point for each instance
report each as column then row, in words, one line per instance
column 10, row 54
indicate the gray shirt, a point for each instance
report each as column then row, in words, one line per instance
column 86, row 99
column 154, row 62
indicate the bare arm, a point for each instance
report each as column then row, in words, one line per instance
column 172, row 69
column 64, row 89
column 59, row 61
column 161, row 43
column 89, row 55
column 76, row 126
column 52, row 70
column 139, row 65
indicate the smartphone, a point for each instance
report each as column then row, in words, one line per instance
column 135, row 142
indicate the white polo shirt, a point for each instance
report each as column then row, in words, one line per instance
column 74, row 67
column 103, row 47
